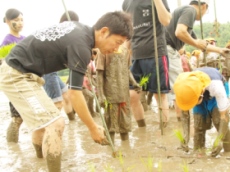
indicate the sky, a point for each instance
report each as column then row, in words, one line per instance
column 43, row 13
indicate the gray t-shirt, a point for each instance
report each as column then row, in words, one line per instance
column 143, row 40
column 183, row 15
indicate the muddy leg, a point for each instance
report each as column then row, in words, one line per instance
column 89, row 100
column 52, row 145
column 124, row 136
column 12, row 133
column 216, row 122
column 71, row 115
column 185, row 121
column 144, row 101
column 199, row 132
column 164, row 108
column 112, row 136
column 149, row 98
column 222, row 131
column 91, row 107
column 37, row 137
column 137, row 108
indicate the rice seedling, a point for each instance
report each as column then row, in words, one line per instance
column 144, row 80
column 107, row 105
column 5, row 50
column 185, row 167
column 179, row 135
column 148, row 164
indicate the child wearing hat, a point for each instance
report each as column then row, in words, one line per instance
column 203, row 90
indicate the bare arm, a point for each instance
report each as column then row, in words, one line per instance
column 182, row 34
column 79, row 104
column 163, row 14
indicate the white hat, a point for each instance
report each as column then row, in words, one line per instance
column 201, row 1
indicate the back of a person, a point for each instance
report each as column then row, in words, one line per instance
column 142, row 40
column 55, row 41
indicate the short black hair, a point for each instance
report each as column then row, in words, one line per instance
column 118, row 22
column 196, row 3
column 73, row 16
column 11, row 14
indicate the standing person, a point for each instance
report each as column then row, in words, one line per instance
column 203, row 90
column 54, row 87
column 68, row 44
column 113, row 90
column 14, row 19
column 143, row 53
column 180, row 32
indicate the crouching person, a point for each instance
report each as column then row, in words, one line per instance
column 65, row 45
column 203, row 90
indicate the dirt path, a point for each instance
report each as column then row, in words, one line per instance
column 147, row 150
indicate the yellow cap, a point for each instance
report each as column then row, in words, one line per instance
column 210, row 39
column 196, row 53
column 188, row 88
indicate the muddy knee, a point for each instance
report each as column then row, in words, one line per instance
column 199, row 132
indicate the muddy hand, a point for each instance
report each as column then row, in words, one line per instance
column 216, row 149
column 137, row 88
column 225, row 52
column 98, row 135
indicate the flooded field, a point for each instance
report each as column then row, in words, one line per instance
column 146, row 151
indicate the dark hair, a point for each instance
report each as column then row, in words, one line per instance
column 11, row 14
column 73, row 16
column 118, row 22
column 196, row 3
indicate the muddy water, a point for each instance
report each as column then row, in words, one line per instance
column 147, row 150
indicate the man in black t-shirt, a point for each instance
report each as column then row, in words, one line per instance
column 65, row 45
column 143, row 53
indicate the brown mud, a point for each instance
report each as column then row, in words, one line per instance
column 147, row 149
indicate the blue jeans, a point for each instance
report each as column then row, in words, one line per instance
column 54, row 86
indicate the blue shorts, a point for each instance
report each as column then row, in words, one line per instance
column 147, row 67
column 54, row 86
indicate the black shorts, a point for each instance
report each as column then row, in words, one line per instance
column 147, row 67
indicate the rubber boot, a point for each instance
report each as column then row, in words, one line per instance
column 38, row 150
column 71, row 115
column 124, row 136
column 199, row 132
column 218, row 143
column 53, row 163
column 216, row 122
column 141, row 123
column 185, row 121
column 13, row 129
